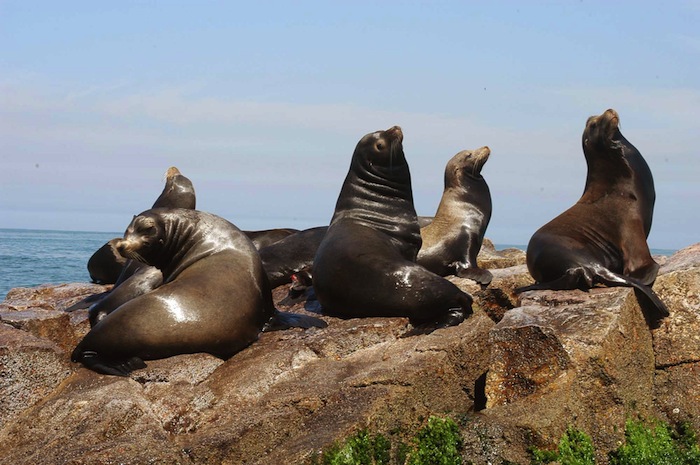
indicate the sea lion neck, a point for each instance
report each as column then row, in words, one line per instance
column 181, row 244
column 380, row 197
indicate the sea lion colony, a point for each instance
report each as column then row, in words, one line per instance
column 189, row 281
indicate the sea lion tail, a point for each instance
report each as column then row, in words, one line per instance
column 286, row 320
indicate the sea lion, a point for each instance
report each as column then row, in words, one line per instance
column 215, row 295
column 105, row 265
column 365, row 265
column 602, row 238
column 266, row 237
column 293, row 254
column 453, row 238
column 144, row 279
column 178, row 191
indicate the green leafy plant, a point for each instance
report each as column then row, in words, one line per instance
column 575, row 448
column 657, row 445
column 360, row 449
column 437, row 443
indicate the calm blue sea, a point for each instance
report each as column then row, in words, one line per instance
column 31, row 257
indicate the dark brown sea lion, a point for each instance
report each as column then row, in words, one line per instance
column 266, row 237
column 602, row 238
column 453, row 238
column 293, row 254
column 105, row 265
column 178, row 191
column 215, row 295
column 365, row 265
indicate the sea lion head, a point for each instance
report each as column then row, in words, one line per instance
column 381, row 149
column 602, row 131
column 141, row 238
column 467, row 163
column 172, row 172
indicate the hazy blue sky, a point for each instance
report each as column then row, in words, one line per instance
column 261, row 104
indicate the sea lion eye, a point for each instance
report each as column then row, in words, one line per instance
column 380, row 145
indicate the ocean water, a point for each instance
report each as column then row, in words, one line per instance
column 31, row 257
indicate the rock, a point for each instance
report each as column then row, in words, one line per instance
column 490, row 258
column 49, row 297
column 586, row 355
column 517, row 373
column 30, row 369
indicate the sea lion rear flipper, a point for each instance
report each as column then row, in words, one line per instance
column 286, row 320
column 91, row 360
column 575, row 278
column 609, row 278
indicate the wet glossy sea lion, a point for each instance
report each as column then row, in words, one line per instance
column 453, row 238
column 365, row 265
column 266, row 237
column 106, row 265
column 293, row 254
column 178, row 191
column 602, row 238
column 215, row 295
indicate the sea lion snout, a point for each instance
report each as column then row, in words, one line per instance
column 395, row 131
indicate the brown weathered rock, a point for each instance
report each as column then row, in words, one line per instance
column 64, row 329
column 589, row 354
column 516, row 374
column 49, row 297
column 30, row 369
column 490, row 258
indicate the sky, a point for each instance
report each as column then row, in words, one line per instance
column 261, row 104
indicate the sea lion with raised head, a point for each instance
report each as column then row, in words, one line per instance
column 178, row 191
column 106, row 265
column 602, row 238
column 215, row 295
column 452, row 240
column 366, row 264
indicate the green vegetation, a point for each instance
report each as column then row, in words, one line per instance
column 575, row 448
column 655, row 445
column 437, row 443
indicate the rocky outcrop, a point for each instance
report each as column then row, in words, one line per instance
column 515, row 374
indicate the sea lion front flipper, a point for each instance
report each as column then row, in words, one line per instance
column 87, row 301
column 637, row 260
column 479, row 275
column 286, row 320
